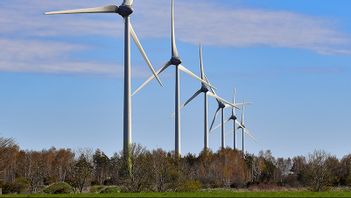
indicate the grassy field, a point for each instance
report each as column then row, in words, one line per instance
column 202, row 194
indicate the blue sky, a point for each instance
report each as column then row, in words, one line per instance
column 61, row 76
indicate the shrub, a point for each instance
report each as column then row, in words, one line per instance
column 190, row 186
column 59, row 188
column 20, row 185
column 96, row 188
column 110, row 190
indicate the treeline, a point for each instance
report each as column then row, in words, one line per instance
column 33, row 171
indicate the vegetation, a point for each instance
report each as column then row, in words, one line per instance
column 63, row 171
column 202, row 194
column 59, row 188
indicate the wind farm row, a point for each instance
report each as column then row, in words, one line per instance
column 125, row 10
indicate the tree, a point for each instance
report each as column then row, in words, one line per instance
column 318, row 173
column 299, row 170
column 8, row 152
column 101, row 167
column 82, row 172
column 161, row 169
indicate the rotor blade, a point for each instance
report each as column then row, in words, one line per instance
column 164, row 67
column 174, row 46
column 214, row 119
column 239, row 124
column 243, row 104
column 216, row 127
column 142, row 51
column 208, row 81
column 128, row 2
column 234, row 101
column 201, row 64
column 190, row 73
column 222, row 100
column 104, row 9
column 250, row 134
column 243, row 116
column 192, row 98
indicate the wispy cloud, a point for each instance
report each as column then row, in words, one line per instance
column 26, row 32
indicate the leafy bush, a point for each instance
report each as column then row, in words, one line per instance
column 190, row 186
column 59, row 188
column 96, row 189
column 110, row 190
column 20, row 185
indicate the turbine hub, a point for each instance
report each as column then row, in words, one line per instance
column 125, row 10
column 175, row 61
column 221, row 105
column 204, row 89
column 233, row 117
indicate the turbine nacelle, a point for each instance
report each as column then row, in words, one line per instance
column 233, row 117
column 221, row 105
column 204, row 88
column 175, row 61
column 125, row 10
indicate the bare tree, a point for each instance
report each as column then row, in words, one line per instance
column 318, row 173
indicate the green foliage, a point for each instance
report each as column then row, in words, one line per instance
column 221, row 193
column 110, row 190
column 190, row 186
column 96, row 189
column 59, row 188
column 20, row 185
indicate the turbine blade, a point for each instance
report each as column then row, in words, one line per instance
column 128, row 2
column 214, row 118
column 190, row 73
column 142, row 51
column 234, row 101
column 104, row 9
column 174, row 45
column 250, row 134
column 201, row 64
column 192, row 98
column 208, row 81
column 239, row 124
column 228, row 104
column 216, row 127
column 243, row 116
column 164, row 67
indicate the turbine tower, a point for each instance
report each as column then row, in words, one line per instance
column 222, row 104
column 205, row 90
column 244, row 131
column 234, row 118
column 125, row 10
column 175, row 61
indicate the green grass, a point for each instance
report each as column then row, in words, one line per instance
column 202, row 194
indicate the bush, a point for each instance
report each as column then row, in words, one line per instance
column 110, row 190
column 190, row 186
column 59, row 188
column 96, row 189
column 20, row 185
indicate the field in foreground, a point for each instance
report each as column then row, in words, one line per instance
column 202, row 194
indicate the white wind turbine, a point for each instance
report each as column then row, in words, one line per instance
column 125, row 10
column 222, row 104
column 175, row 61
column 234, row 118
column 244, row 130
column 205, row 90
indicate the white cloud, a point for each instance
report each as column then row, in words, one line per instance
column 25, row 31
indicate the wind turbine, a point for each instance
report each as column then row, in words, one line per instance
column 175, row 61
column 244, row 131
column 205, row 90
column 222, row 104
column 125, row 10
column 233, row 118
